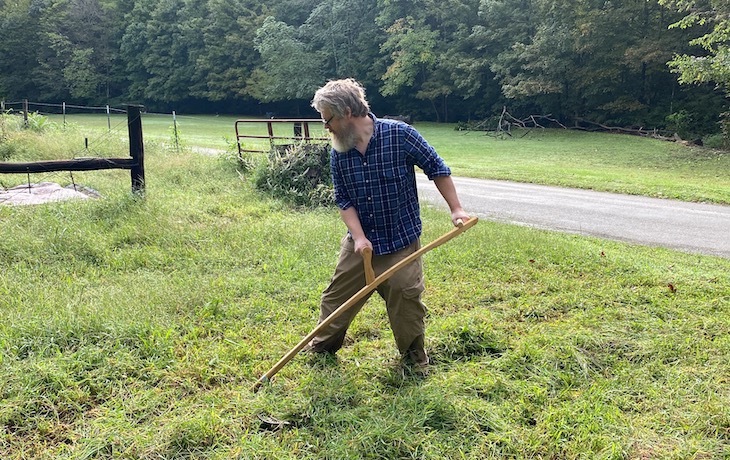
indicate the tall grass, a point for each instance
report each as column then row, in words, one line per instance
column 134, row 328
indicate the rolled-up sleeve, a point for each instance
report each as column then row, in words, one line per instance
column 423, row 155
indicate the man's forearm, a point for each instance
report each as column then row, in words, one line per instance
column 352, row 221
column 445, row 186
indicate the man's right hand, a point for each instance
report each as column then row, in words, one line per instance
column 362, row 243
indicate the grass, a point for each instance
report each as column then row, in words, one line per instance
column 134, row 328
column 214, row 132
column 599, row 161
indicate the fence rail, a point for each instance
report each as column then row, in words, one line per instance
column 301, row 132
column 77, row 164
column 25, row 104
column 135, row 162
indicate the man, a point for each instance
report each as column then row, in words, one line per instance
column 372, row 164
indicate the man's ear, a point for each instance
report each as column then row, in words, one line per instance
column 348, row 114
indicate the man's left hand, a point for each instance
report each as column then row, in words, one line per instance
column 459, row 215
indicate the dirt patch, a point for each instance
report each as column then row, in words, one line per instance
column 44, row 192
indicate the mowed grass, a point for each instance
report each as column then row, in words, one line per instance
column 599, row 161
column 202, row 131
column 135, row 328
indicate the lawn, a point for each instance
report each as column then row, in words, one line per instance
column 600, row 161
column 135, row 328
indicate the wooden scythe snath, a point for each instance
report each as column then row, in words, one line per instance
column 369, row 287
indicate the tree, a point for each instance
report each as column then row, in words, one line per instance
column 74, row 61
column 159, row 46
column 289, row 69
column 427, row 49
column 18, row 47
column 529, row 48
column 342, row 33
column 712, row 64
column 80, row 74
column 583, row 59
column 576, row 59
column 411, row 48
column 225, row 61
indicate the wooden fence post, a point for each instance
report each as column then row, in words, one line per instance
column 136, row 147
column 174, row 131
column 25, row 113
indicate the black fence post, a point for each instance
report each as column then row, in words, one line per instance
column 136, row 147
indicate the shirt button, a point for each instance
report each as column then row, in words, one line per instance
column 365, row 163
column 370, row 198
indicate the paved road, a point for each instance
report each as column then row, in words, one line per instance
column 689, row 227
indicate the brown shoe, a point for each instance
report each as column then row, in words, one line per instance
column 411, row 369
column 310, row 349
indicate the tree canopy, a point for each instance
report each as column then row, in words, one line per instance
column 626, row 62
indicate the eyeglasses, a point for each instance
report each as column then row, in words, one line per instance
column 327, row 121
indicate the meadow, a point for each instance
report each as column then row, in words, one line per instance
column 599, row 161
column 134, row 328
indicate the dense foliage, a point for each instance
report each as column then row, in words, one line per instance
column 447, row 60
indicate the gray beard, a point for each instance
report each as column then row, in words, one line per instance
column 345, row 143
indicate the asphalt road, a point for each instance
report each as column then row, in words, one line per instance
column 690, row 227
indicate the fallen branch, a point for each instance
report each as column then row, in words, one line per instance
column 506, row 121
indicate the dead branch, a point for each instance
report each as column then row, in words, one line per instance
column 507, row 121
column 653, row 133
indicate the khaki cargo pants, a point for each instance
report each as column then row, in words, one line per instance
column 401, row 292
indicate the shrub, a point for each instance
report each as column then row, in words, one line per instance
column 681, row 123
column 715, row 141
column 38, row 123
column 298, row 174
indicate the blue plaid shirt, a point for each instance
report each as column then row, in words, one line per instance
column 381, row 184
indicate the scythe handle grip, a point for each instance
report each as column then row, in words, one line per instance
column 367, row 260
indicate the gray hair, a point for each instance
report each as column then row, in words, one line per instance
column 339, row 95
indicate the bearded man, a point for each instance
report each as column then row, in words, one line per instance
column 372, row 163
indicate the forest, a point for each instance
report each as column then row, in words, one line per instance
column 630, row 63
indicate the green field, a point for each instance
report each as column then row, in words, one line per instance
column 134, row 328
column 599, row 161
column 207, row 131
